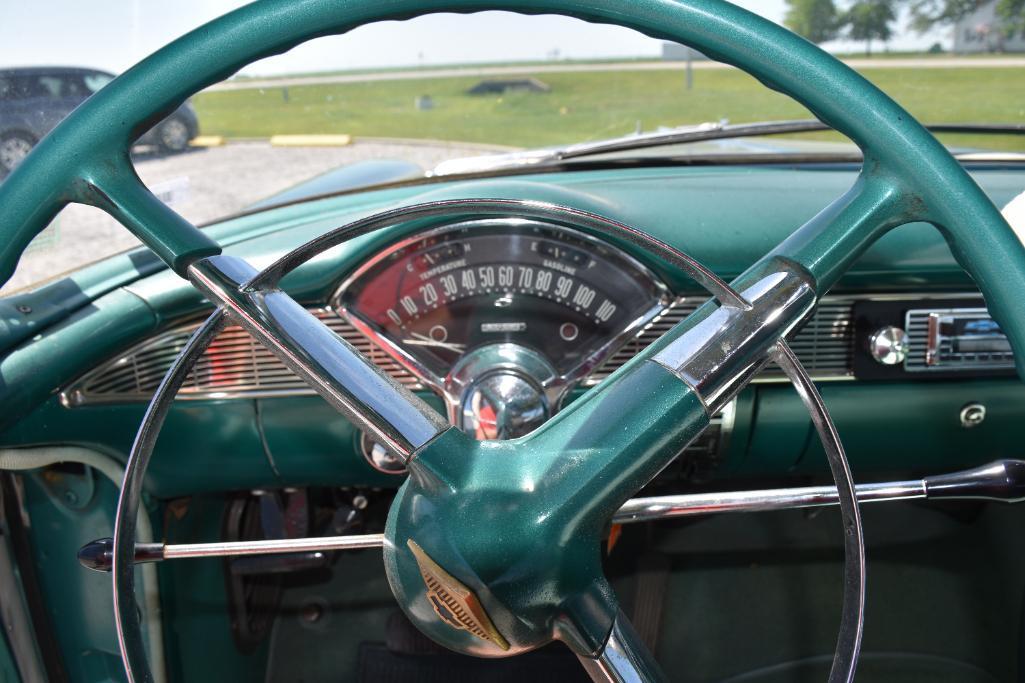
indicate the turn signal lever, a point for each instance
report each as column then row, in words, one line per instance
column 1001, row 481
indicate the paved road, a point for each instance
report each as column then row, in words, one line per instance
column 520, row 70
column 202, row 185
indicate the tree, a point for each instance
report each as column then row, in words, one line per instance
column 1012, row 14
column 816, row 20
column 927, row 14
column 869, row 20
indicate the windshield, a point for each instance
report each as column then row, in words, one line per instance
column 389, row 102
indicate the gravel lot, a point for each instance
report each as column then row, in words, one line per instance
column 202, row 185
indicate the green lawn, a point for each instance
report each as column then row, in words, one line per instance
column 584, row 106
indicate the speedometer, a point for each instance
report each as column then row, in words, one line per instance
column 554, row 293
column 554, row 290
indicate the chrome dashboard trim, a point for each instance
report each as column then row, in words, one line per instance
column 825, row 345
column 932, row 347
column 133, row 374
column 253, row 371
column 825, row 342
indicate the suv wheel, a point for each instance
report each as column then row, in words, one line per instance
column 14, row 147
column 173, row 135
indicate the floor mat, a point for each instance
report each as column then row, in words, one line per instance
column 377, row 664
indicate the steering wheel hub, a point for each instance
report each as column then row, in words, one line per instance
column 503, row 390
column 486, row 546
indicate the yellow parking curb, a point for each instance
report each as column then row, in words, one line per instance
column 207, row 141
column 310, row 140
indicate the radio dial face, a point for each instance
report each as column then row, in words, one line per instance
column 927, row 337
column 963, row 339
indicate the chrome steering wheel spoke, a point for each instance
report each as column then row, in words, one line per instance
column 395, row 417
column 624, row 658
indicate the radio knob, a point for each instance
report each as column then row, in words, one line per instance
column 889, row 345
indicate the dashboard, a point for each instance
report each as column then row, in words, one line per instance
column 504, row 321
column 501, row 322
column 498, row 324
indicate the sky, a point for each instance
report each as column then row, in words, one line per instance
column 114, row 34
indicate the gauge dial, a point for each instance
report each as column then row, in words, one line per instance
column 555, row 291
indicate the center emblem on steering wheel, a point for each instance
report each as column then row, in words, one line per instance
column 457, row 605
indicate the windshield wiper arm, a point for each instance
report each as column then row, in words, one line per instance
column 684, row 134
column 547, row 156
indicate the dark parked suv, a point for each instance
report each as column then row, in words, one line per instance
column 34, row 100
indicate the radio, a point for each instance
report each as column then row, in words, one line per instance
column 956, row 339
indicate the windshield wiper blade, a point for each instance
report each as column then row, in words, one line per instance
column 684, row 134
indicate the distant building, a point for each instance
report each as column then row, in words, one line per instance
column 980, row 32
column 674, row 52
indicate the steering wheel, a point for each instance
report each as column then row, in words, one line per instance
column 492, row 548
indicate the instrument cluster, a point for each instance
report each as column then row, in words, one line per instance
column 501, row 317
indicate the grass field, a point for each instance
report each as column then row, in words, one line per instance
column 583, row 106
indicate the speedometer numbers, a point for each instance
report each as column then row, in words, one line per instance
column 555, row 291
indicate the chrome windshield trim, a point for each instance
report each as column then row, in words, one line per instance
column 712, row 130
column 542, row 157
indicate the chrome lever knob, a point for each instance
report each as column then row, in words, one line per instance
column 1003, row 480
column 99, row 554
column 889, row 345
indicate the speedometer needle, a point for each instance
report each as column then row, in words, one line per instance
column 423, row 340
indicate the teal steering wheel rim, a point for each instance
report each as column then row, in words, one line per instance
column 907, row 175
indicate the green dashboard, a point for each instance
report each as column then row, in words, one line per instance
column 725, row 217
